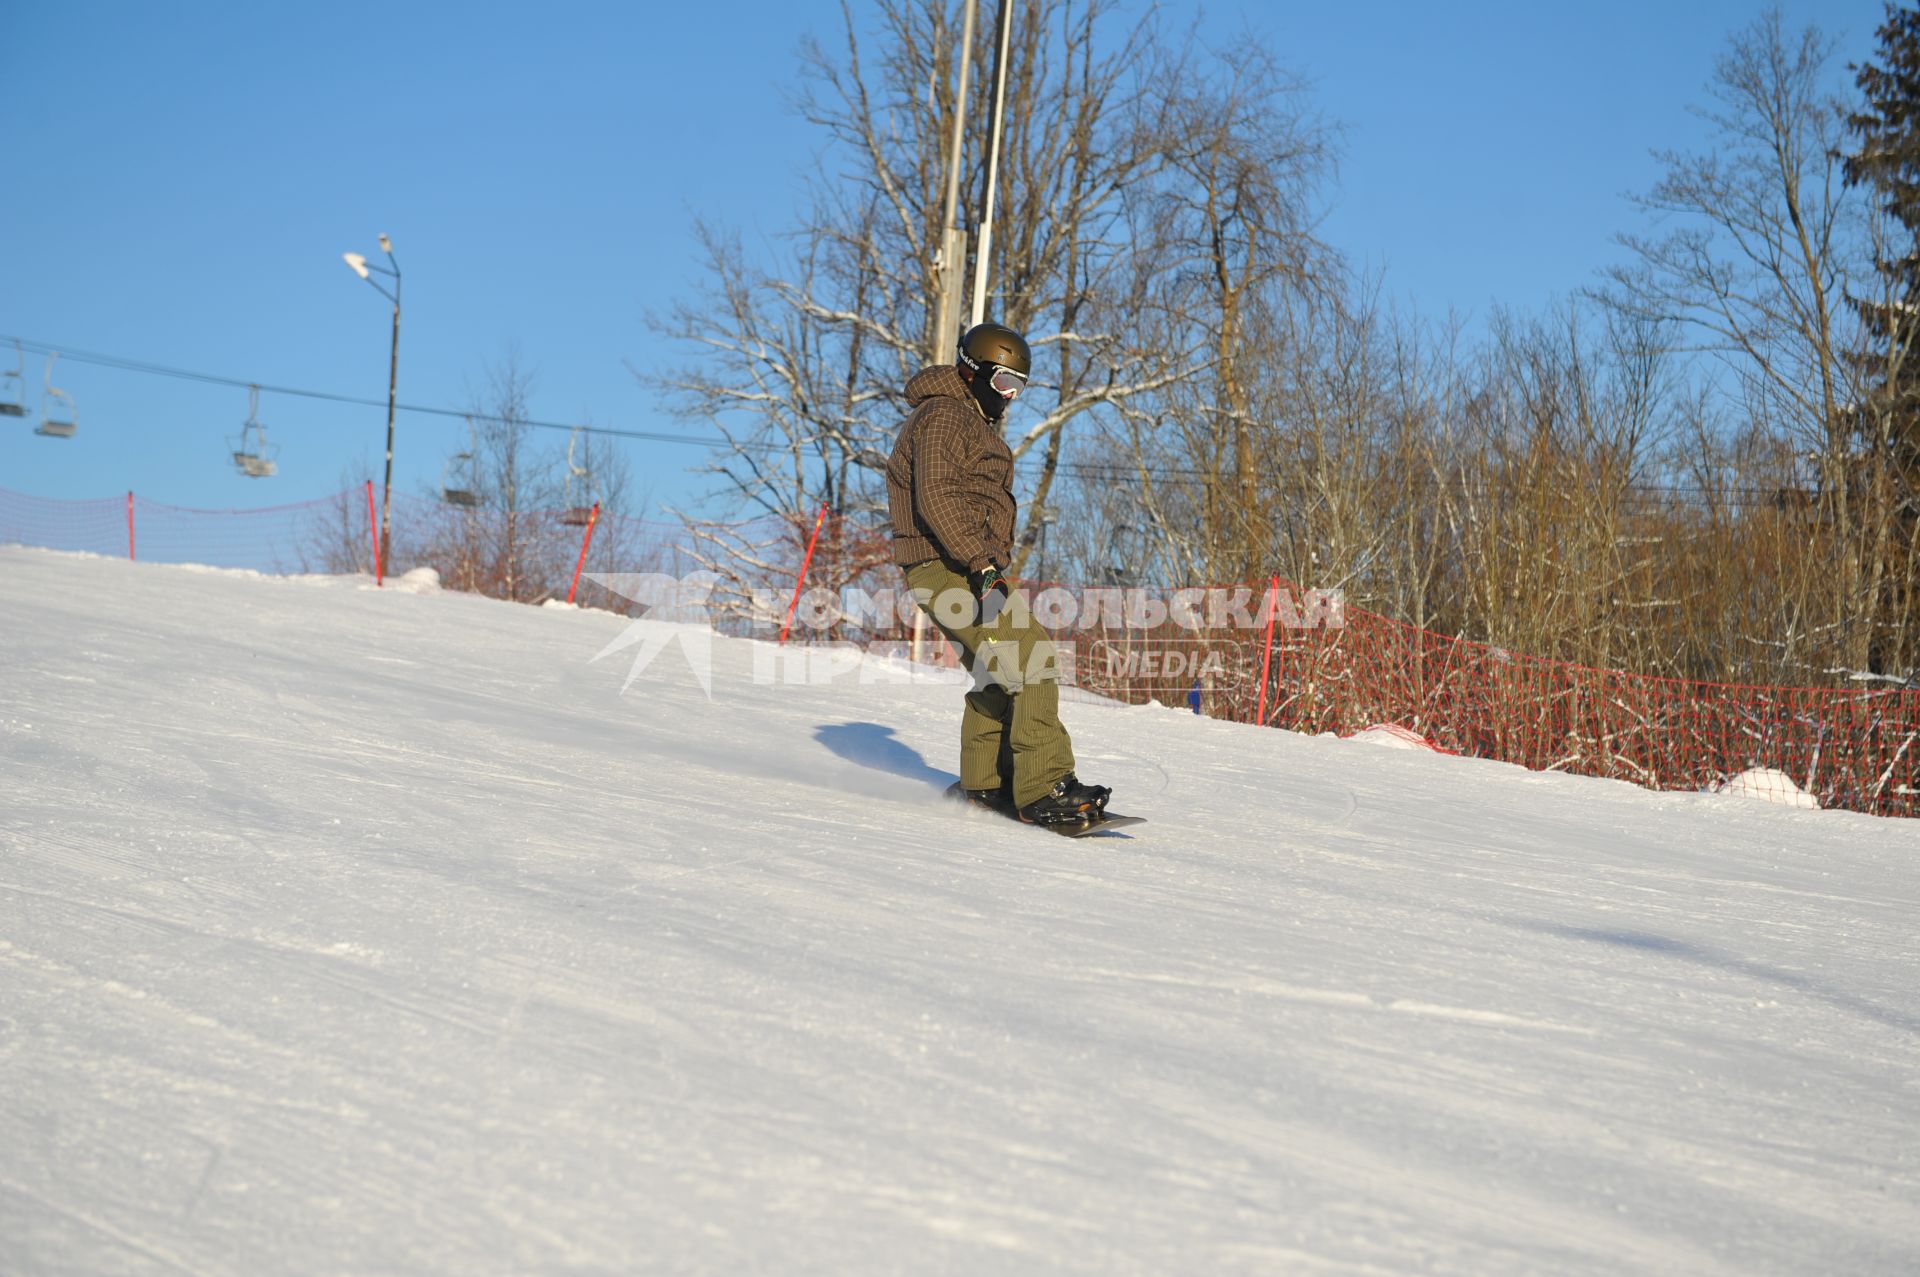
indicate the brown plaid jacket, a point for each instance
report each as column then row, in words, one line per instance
column 950, row 480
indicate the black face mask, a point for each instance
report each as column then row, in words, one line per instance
column 992, row 404
column 987, row 387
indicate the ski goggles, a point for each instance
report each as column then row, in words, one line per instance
column 1006, row 382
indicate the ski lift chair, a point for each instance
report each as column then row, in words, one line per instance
column 15, row 403
column 252, row 454
column 576, row 515
column 54, row 423
column 456, row 481
column 253, row 465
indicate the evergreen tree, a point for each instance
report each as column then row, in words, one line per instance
column 1888, row 164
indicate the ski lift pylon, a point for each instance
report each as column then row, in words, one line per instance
column 14, row 403
column 578, row 509
column 252, row 454
column 53, row 424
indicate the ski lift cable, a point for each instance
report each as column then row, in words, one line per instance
column 1094, row 470
column 649, row 436
column 187, row 374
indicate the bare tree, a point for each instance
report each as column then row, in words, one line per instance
column 800, row 363
column 1238, row 278
column 338, row 538
column 495, row 524
column 1758, row 263
column 1216, row 397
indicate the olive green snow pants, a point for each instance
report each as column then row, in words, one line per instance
column 1010, row 732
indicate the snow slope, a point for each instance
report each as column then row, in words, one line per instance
column 356, row 931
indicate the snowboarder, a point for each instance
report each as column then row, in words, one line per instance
column 950, row 497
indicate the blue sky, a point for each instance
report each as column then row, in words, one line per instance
column 182, row 179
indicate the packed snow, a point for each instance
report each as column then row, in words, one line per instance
column 364, row 931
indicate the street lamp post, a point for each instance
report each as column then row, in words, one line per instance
column 366, row 271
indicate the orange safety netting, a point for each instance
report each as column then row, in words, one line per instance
column 268, row 539
column 1855, row 748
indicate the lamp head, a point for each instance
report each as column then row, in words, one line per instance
column 386, row 245
column 358, row 261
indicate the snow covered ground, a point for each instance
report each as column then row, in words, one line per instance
column 373, row 932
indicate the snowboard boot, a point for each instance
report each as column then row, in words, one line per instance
column 999, row 801
column 1068, row 802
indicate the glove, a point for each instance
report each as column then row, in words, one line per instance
column 990, row 589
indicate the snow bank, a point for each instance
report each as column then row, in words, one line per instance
column 416, row 581
column 1766, row 784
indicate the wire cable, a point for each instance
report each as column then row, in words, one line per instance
column 1101, row 472
column 214, row 379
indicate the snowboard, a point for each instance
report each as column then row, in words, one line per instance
column 1100, row 824
column 1103, row 822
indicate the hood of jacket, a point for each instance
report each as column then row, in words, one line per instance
column 940, row 379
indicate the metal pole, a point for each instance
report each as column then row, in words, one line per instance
column 393, row 382
column 959, row 117
column 951, row 253
column 984, row 250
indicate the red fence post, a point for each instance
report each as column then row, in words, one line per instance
column 586, row 539
column 805, row 563
column 129, row 523
column 1266, row 662
column 373, row 529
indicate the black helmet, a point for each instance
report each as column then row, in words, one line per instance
column 996, row 344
